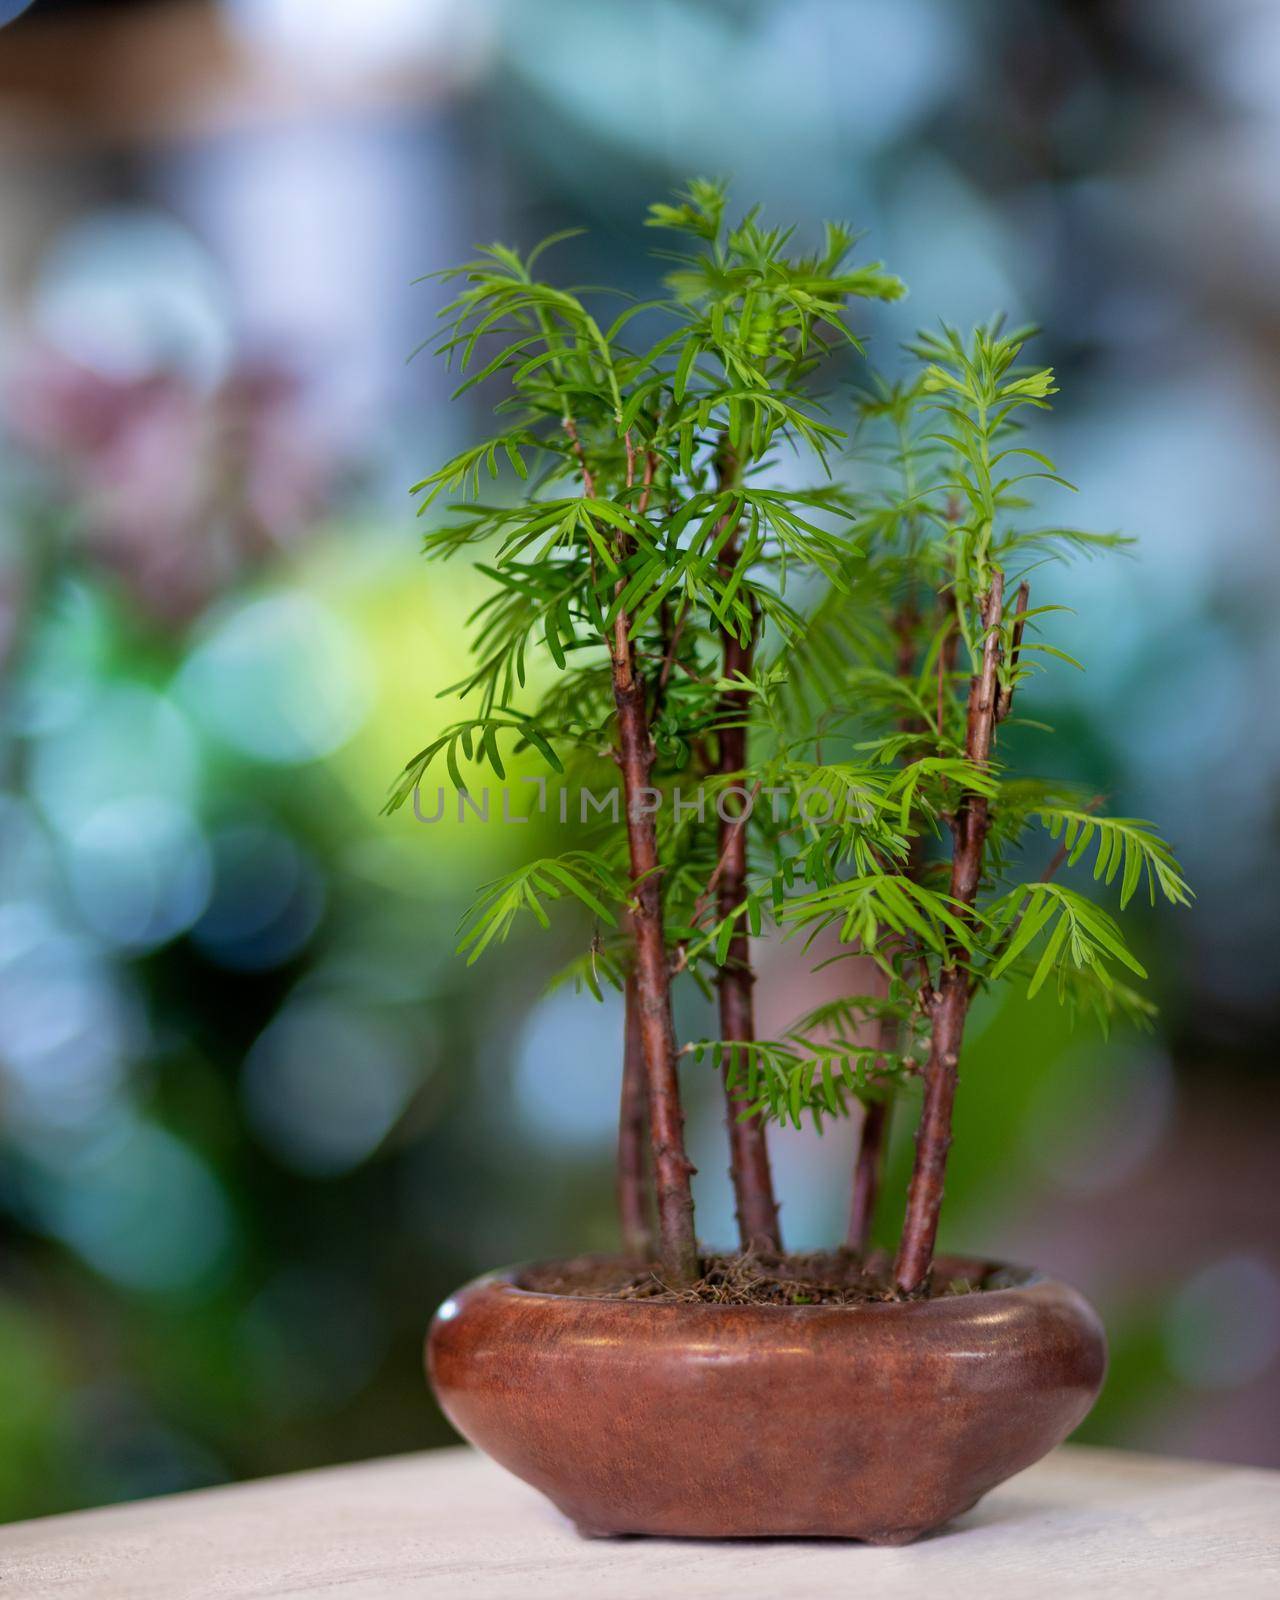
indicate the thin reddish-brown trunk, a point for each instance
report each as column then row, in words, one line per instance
column 757, row 1207
column 866, row 1175
column 869, row 1167
column 933, row 1136
column 754, row 1199
column 873, row 1137
column 949, row 1006
column 633, row 1200
column 672, row 1169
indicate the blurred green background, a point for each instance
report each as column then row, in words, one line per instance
column 255, row 1117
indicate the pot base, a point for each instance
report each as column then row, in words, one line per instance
column 878, row 1422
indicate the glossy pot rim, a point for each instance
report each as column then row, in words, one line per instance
column 1014, row 1281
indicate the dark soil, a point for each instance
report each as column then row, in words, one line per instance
column 821, row 1278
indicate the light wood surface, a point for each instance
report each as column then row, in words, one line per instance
column 1084, row 1523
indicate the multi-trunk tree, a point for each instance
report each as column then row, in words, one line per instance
column 800, row 685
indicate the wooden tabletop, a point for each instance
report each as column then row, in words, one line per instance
column 1084, row 1523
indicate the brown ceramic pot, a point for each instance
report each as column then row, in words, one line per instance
column 876, row 1422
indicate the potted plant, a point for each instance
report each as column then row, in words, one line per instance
column 801, row 686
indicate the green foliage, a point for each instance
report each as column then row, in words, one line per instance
column 1121, row 842
column 943, row 517
column 819, row 1067
column 803, row 1073
column 676, row 471
column 666, row 436
column 1076, row 930
column 602, row 965
column 868, row 910
column 579, row 875
column 477, row 738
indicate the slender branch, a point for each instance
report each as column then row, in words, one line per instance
column 1005, row 704
column 588, row 480
column 950, row 1006
column 1058, row 860
column 728, row 842
column 646, row 481
column 669, row 655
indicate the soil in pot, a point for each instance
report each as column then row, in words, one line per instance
column 750, row 1278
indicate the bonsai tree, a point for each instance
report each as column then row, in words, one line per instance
column 945, row 895
column 647, row 587
column 679, row 579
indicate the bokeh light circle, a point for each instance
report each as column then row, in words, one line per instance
column 325, row 1083
column 281, row 679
